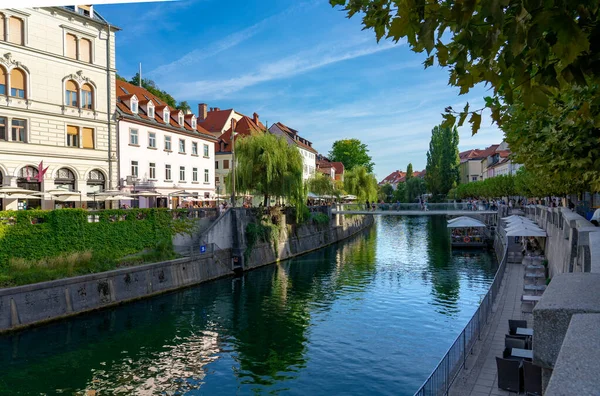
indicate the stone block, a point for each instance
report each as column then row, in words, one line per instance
column 576, row 369
column 567, row 294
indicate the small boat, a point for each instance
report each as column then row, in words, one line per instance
column 468, row 232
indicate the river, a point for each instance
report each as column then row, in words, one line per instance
column 372, row 315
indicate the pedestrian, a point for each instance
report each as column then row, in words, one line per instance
column 368, row 206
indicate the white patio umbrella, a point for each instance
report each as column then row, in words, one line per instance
column 118, row 198
column 524, row 221
column 466, row 222
column 146, row 194
column 522, row 227
column 17, row 196
column 458, row 218
column 15, row 190
column 513, row 217
column 526, row 232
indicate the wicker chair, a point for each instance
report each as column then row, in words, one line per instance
column 510, row 374
column 513, row 324
column 532, row 376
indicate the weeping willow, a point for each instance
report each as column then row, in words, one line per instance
column 267, row 165
column 361, row 183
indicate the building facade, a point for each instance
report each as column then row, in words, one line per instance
column 309, row 154
column 162, row 150
column 57, row 68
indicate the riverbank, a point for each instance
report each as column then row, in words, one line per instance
column 46, row 301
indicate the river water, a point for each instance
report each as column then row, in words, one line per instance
column 372, row 315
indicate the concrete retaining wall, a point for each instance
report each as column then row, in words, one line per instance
column 41, row 302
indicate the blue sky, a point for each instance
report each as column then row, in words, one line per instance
column 299, row 62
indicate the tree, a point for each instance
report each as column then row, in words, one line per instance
column 442, row 171
column 151, row 86
column 387, row 192
column 415, row 187
column 321, row 185
column 266, row 164
column 524, row 50
column 184, row 106
column 409, row 171
column 352, row 153
column 400, row 193
column 361, row 183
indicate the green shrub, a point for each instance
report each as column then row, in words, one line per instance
column 320, row 218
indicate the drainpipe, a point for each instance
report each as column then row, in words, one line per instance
column 108, row 109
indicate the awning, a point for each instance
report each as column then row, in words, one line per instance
column 467, row 222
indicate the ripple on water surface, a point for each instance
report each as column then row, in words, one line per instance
column 372, row 315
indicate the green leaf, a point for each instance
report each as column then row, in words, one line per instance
column 475, row 122
column 539, row 97
column 463, row 115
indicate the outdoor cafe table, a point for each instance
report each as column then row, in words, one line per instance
column 521, row 353
column 524, row 331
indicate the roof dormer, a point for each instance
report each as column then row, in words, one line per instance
column 191, row 120
column 166, row 115
column 149, row 109
column 133, row 105
column 180, row 118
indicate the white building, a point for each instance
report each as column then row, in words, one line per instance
column 56, row 104
column 163, row 150
column 309, row 154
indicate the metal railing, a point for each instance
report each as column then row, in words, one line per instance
column 458, row 206
column 442, row 377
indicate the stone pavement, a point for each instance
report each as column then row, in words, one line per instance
column 480, row 378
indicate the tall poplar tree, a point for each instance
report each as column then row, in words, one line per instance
column 409, row 172
column 442, row 161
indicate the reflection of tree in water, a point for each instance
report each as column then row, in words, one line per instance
column 444, row 275
column 273, row 315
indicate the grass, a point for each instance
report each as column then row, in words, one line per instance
column 20, row 271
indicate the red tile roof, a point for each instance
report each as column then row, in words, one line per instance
column 244, row 127
column 339, row 167
column 475, row 154
column 394, row 178
column 141, row 115
column 215, row 120
column 293, row 134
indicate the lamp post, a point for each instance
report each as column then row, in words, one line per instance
column 232, row 163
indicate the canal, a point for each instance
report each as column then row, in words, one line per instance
column 372, row 315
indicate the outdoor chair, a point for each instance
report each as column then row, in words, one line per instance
column 510, row 374
column 506, row 354
column 515, row 343
column 532, row 376
column 520, row 337
column 513, row 324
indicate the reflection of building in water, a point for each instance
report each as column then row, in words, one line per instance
column 177, row 369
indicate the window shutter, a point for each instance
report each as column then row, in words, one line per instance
column 88, row 138
column 16, row 30
column 85, row 50
column 17, row 79
column 2, row 76
column 72, row 130
column 71, row 86
column 71, row 46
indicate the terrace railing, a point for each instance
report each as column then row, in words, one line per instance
column 447, row 207
column 442, row 377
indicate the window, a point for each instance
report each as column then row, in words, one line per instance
column 133, row 137
column 19, row 130
column 85, row 10
column 225, row 164
column 166, row 116
column 151, row 139
column 2, row 31
column 150, row 112
column 71, row 94
column 473, row 178
column 182, row 146
column 217, row 180
column 206, row 150
column 72, row 136
column 194, row 148
column 134, row 106
column 167, row 172
column 194, row 123
column 2, row 78
column 167, row 143
column 216, row 164
column 17, row 83
column 87, row 97
column 180, row 119
column 206, row 176
column 152, row 171
column 15, row 31
column 182, row 173
column 71, row 46
column 3, row 134
column 87, row 138
column 194, row 174
column 85, row 50
column 134, row 168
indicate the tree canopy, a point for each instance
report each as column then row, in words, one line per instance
column 525, row 50
column 442, row 171
column 361, row 183
column 352, row 153
column 415, row 187
column 409, row 171
column 151, row 86
column 387, row 192
column 266, row 164
column 321, row 185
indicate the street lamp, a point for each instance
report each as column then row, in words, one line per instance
column 233, row 163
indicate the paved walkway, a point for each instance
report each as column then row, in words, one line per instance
column 480, row 378
column 417, row 212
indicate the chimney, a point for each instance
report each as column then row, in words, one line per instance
column 255, row 118
column 202, row 111
column 217, row 109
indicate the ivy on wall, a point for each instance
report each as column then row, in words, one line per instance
column 37, row 234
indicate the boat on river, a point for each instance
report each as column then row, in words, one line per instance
column 468, row 232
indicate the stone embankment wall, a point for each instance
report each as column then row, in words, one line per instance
column 37, row 303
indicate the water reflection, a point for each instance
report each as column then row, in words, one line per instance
column 346, row 319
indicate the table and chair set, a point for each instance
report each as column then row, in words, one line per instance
column 534, row 283
column 516, row 372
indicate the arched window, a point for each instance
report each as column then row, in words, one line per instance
column 71, row 97
column 180, row 119
column 150, row 111
column 166, row 116
column 85, row 50
column 71, row 46
column 17, row 83
column 2, row 79
column 15, row 31
column 96, row 181
column 134, row 105
column 87, row 97
column 65, row 179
